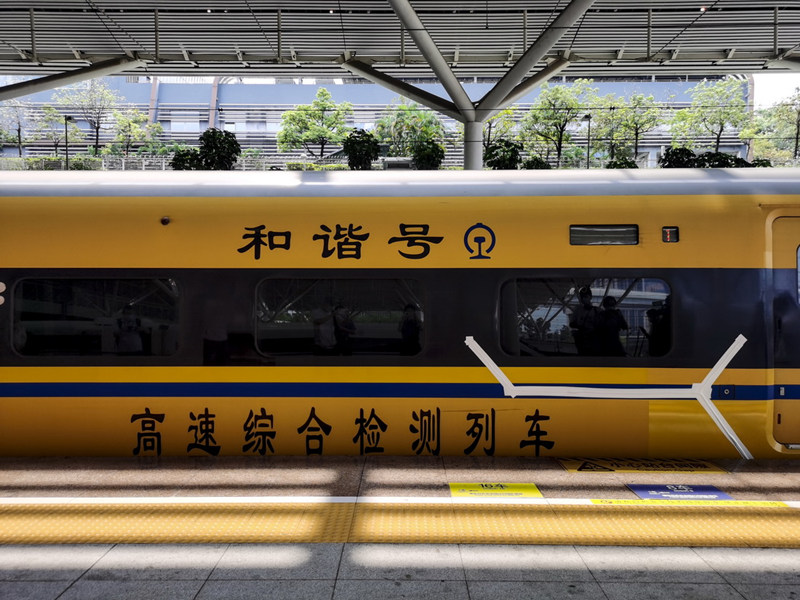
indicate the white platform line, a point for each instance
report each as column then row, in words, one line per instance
column 242, row 500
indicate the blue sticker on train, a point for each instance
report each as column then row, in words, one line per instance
column 677, row 492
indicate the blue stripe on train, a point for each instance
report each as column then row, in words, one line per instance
column 323, row 390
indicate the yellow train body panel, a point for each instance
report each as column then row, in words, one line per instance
column 220, row 275
column 199, row 235
column 114, row 426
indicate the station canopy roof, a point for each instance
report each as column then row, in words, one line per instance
column 514, row 44
column 398, row 38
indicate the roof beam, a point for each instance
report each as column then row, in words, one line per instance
column 551, row 70
column 187, row 57
column 549, row 37
column 433, row 101
column 408, row 17
column 33, row 35
column 728, row 56
column 101, row 69
column 793, row 64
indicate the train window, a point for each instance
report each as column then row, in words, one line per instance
column 339, row 317
column 84, row 317
column 603, row 235
column 589, row 317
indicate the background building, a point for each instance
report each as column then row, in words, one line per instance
column 252, row 109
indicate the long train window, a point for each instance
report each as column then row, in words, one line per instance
column 64, row 317
column 339, row 317
column 589, row 317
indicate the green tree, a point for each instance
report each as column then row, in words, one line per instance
column 501, row 126
column 315, row 126
column 787, row 123
column 609, row 117
column 774, row 132
column 404, row 126
column 186, row 159
column 618, row 124
column 503, row 154
column 218, row 151
column 548, row 121
column 535, row 162
column 717, row 107
column 49, row 126
column 677, row 158
column 131, row 128
column 642, row 115
column 622, row 163
column 94, row 102
column 361, row 148
column 428, row 155
column 719, row 160
column 13, row 122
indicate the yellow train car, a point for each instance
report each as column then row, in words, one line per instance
column 567, row 313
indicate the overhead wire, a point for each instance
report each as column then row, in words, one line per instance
column 260, row 27
column 104, row 18
column 703, row 12
column 341, row 24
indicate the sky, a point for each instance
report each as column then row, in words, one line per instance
column 771, row 88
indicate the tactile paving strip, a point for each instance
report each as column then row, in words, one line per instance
column 266, row 522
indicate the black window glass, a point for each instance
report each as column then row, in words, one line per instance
column 603, row 235
column 83, row 317
column 590, row 317
column 339, row 317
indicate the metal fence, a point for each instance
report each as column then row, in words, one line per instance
column 128, row 163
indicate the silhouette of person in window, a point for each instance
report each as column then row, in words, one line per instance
column 583, row 323
column 609, row 323
column 660, row 338
column 343, row 329
column 410, row 330
column 129, row 332
column 324, row 328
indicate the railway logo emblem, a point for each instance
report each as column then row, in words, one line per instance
column 479, row 240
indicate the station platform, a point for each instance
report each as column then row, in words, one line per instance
column 72, row 527
column 401, row 500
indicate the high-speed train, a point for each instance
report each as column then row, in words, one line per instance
column 647, row 313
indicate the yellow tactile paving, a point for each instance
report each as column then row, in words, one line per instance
column 758, row 526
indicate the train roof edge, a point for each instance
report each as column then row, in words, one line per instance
column 410, row 183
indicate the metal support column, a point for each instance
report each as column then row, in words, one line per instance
column 473, row 146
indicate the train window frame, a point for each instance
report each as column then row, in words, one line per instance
column 129, row 328
column 797, row 274
column 646, row 312
column 318, row 340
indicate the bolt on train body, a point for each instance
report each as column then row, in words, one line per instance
column 568, row 313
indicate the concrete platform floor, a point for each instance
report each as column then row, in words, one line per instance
column 339, row 571
column 371, row 476
column 389, row 572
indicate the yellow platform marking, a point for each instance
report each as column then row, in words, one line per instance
column 636, row 465
column 665, row 502
column 641, row 524
column 494, row 490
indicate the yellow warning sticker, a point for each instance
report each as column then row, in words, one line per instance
column 754, row 503
column 638, row 465
column 494, row 490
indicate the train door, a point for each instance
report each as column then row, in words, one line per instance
column 786, row 315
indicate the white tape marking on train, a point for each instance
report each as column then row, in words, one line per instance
column 699, row 391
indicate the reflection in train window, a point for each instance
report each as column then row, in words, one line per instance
column 589, row 317
column 339, row 317
column 65, row 317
